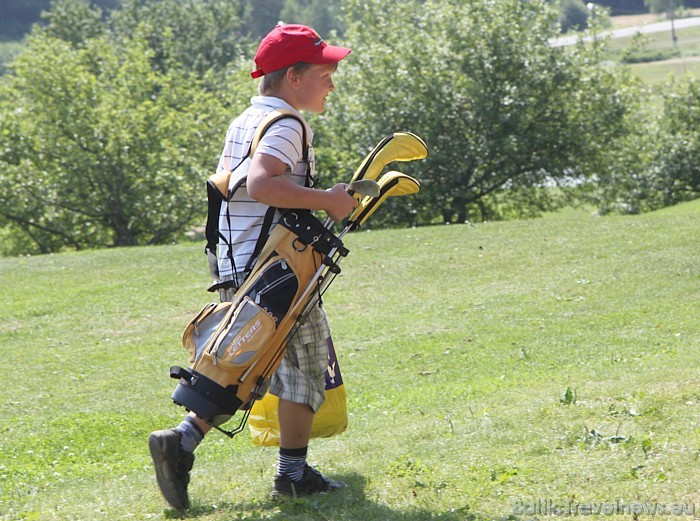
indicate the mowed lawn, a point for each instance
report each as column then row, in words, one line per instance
column 686, row 63
column 489, row 368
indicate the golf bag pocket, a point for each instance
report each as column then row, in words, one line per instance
column 275, row 288
column 202, row 327
column 241, row 337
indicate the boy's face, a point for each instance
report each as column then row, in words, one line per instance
column 313, row 86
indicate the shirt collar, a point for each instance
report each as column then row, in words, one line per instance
column 278, row 103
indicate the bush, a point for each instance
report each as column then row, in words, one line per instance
column 651, row 55
column 573, row 15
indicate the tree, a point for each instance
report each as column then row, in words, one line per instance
column 656, row 165
column 203, row 36
column 506, row 116
column 261, row 16
column 100, row 149
column 74, row 21
column 573, row 14
column 110, row 124
column 322, row 15
column 623, row 7
column 18, row 16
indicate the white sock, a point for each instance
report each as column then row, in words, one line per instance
column 190, row 434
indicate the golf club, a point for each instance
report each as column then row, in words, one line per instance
column 364, row 187
column 390, row 184
column 400, row 146
column 361, row 187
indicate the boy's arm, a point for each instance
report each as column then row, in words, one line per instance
column 267, row 184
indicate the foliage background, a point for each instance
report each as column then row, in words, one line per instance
column 110, row 144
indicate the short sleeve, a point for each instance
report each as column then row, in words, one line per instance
column 283, row 140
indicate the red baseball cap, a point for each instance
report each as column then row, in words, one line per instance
column 288, row 44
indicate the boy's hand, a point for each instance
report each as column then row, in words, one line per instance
column 340, row 203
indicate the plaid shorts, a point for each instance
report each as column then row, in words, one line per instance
column 301, row 376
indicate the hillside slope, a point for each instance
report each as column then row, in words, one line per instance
column 487, row 367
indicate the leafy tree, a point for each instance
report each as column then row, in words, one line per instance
column 17, row 16
column 111, row 123
column 100, row 149
column 680, row 153
column 261, row 16
column 200, row 35
column 505, row 115
column 625, row 181
column 573, row 15
column 663, row 6
column 656, row 165
column 623, row 7
column 74, row 21
column 322, row 15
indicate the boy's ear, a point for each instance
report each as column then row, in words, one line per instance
column 293, row 77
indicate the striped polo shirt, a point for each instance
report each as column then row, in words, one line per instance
column 241, row 219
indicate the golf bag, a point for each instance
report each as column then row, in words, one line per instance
column 236, row 346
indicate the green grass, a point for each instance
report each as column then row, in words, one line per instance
column 657, row 73
column 659, row 59
column 687, row 208
column 486, row 365
column 671, row 61
column 688, row 41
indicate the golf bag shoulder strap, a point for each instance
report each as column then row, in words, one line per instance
column 221, row 180
column 267, row 122
column 272, row 118
column 218, row 191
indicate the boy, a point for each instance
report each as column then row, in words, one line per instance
column 296, row 66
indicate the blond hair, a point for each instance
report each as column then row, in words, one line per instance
column 271, row 81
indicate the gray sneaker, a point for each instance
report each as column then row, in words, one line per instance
column 173, row 465
column 312, row 482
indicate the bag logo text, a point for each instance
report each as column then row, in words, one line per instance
column 243, row 338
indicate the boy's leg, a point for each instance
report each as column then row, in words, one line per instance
column 299, row 382
column 172, row 449
column 295, row 420
column 172, row 453
column 295, row 424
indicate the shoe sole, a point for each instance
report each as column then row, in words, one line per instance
column 158, row 454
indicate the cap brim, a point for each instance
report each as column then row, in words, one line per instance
column 325, row 55
column 328, row 54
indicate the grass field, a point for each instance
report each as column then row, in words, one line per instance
column 488, row 367
column 633, row 20
column 657, row 73
column 677, row 61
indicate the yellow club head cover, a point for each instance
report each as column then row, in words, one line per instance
column 400, row 146
column 390, row 184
